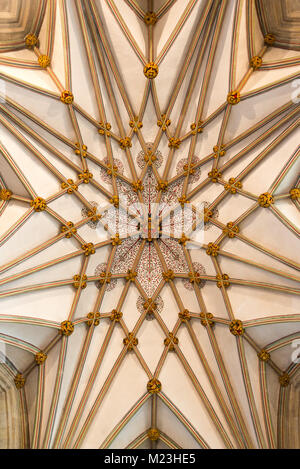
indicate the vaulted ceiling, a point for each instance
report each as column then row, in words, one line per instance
column 149, row 224
column 19, row 18
column 283, row 21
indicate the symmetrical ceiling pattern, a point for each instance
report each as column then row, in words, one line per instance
column 149, row 225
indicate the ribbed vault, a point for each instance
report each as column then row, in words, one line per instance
column 283, row 21
column 149, row 225
column 13, row 411
column 18, row 18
